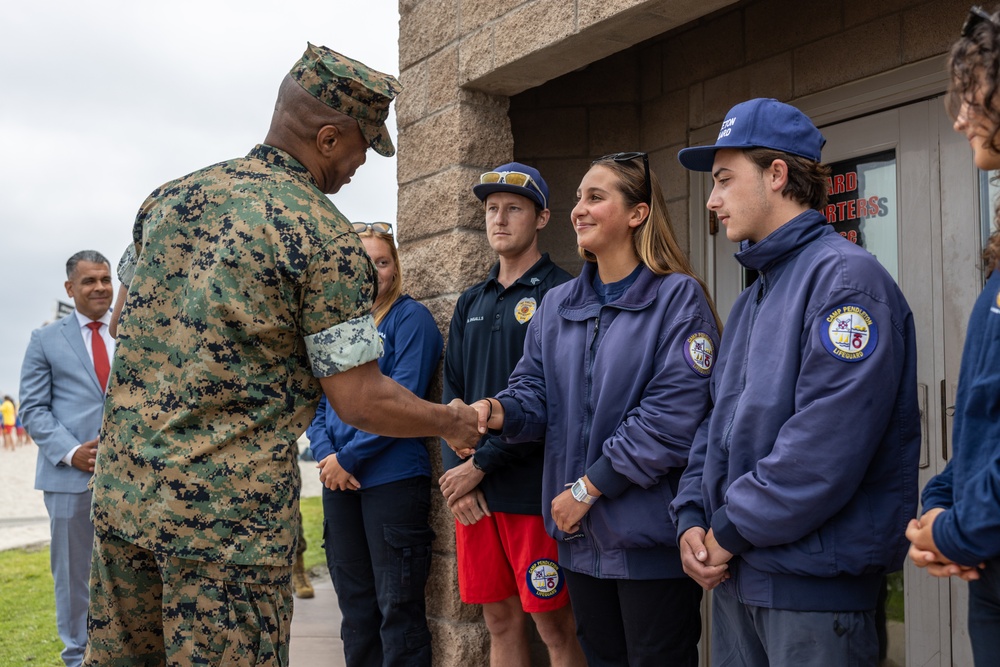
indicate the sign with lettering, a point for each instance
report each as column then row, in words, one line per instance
column 862, row 204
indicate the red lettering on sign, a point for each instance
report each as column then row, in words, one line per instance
column 841, row 183
column 873, row 207
column 855, row 209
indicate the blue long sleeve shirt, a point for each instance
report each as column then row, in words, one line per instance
column 968, row 532
column 412, row 348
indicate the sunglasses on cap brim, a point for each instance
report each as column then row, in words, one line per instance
column 515, row 178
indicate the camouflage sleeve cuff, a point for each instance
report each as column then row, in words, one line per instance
column 126, row 265
column 344, row 346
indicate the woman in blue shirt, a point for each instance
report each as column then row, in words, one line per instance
column 376, row 496
column 959, row 531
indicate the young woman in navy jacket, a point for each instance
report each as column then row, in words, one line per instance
column 959, row 531
column 614, row 379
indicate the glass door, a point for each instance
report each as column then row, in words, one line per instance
column 884, row 168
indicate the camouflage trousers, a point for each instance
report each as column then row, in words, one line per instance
column 159, row 611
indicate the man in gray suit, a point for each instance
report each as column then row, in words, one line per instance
column 63, row 379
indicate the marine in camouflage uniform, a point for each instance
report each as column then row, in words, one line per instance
column 248, row 286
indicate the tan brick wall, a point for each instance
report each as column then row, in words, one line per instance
column 556, row 83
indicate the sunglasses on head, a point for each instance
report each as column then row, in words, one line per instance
column 515, row 178
column 977, row 16
column 380, row 227
column 628, row 157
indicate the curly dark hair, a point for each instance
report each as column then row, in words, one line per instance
column 974, row 66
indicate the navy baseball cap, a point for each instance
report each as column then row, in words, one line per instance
column 514, row 177
column 759, row 123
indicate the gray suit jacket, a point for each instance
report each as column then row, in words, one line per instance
column 61, row 402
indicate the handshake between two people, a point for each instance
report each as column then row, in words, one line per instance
column 488, row 410
column 367, row 400
column 462, row 431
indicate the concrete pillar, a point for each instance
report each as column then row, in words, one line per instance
column 447, row 137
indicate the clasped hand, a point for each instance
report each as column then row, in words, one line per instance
column 470, row 508
column 703, row 559
column 925, row 554
column 459, row 481
column 334, row 477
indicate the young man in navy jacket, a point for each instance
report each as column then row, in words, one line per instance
column 804, row 475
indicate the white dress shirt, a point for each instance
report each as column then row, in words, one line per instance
column 109, row 345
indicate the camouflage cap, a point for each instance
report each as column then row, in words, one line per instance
column 350, row 87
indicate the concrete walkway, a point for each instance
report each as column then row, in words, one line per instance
column 316, row 629
column 23, row 519
column 24, row 522
column 316, row 622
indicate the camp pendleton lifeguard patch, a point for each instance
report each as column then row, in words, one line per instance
column 849, row 333
column 545, row 579
column 699, row 353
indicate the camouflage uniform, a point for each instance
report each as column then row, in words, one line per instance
column 248, row 286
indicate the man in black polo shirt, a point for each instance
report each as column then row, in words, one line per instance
column 506, row 560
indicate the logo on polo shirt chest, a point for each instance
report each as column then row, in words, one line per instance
column 524, row 309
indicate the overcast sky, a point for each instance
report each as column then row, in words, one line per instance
column 103, row 101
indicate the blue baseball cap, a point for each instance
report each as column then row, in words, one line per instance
column 514, row 177
column 759, row 123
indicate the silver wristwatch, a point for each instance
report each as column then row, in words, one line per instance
column 579, row 491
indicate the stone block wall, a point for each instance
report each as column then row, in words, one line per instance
column 556, row 83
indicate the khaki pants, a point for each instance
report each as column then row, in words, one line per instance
column 159, row 611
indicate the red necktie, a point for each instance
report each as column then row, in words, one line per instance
column 101, row 365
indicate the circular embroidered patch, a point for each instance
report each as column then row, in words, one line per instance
column 850, row 333
column 700, row 353
column 998, row 299
column 524, row 309
column 544, row 578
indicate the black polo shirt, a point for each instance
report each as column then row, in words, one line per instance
column 485, row 342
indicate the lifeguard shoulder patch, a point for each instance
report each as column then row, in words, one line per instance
column 545, row 579
column 699, row 353
column 524, row 309
column 849, row 333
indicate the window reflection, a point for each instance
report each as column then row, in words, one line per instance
column 862, row 206
column 989, row 189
